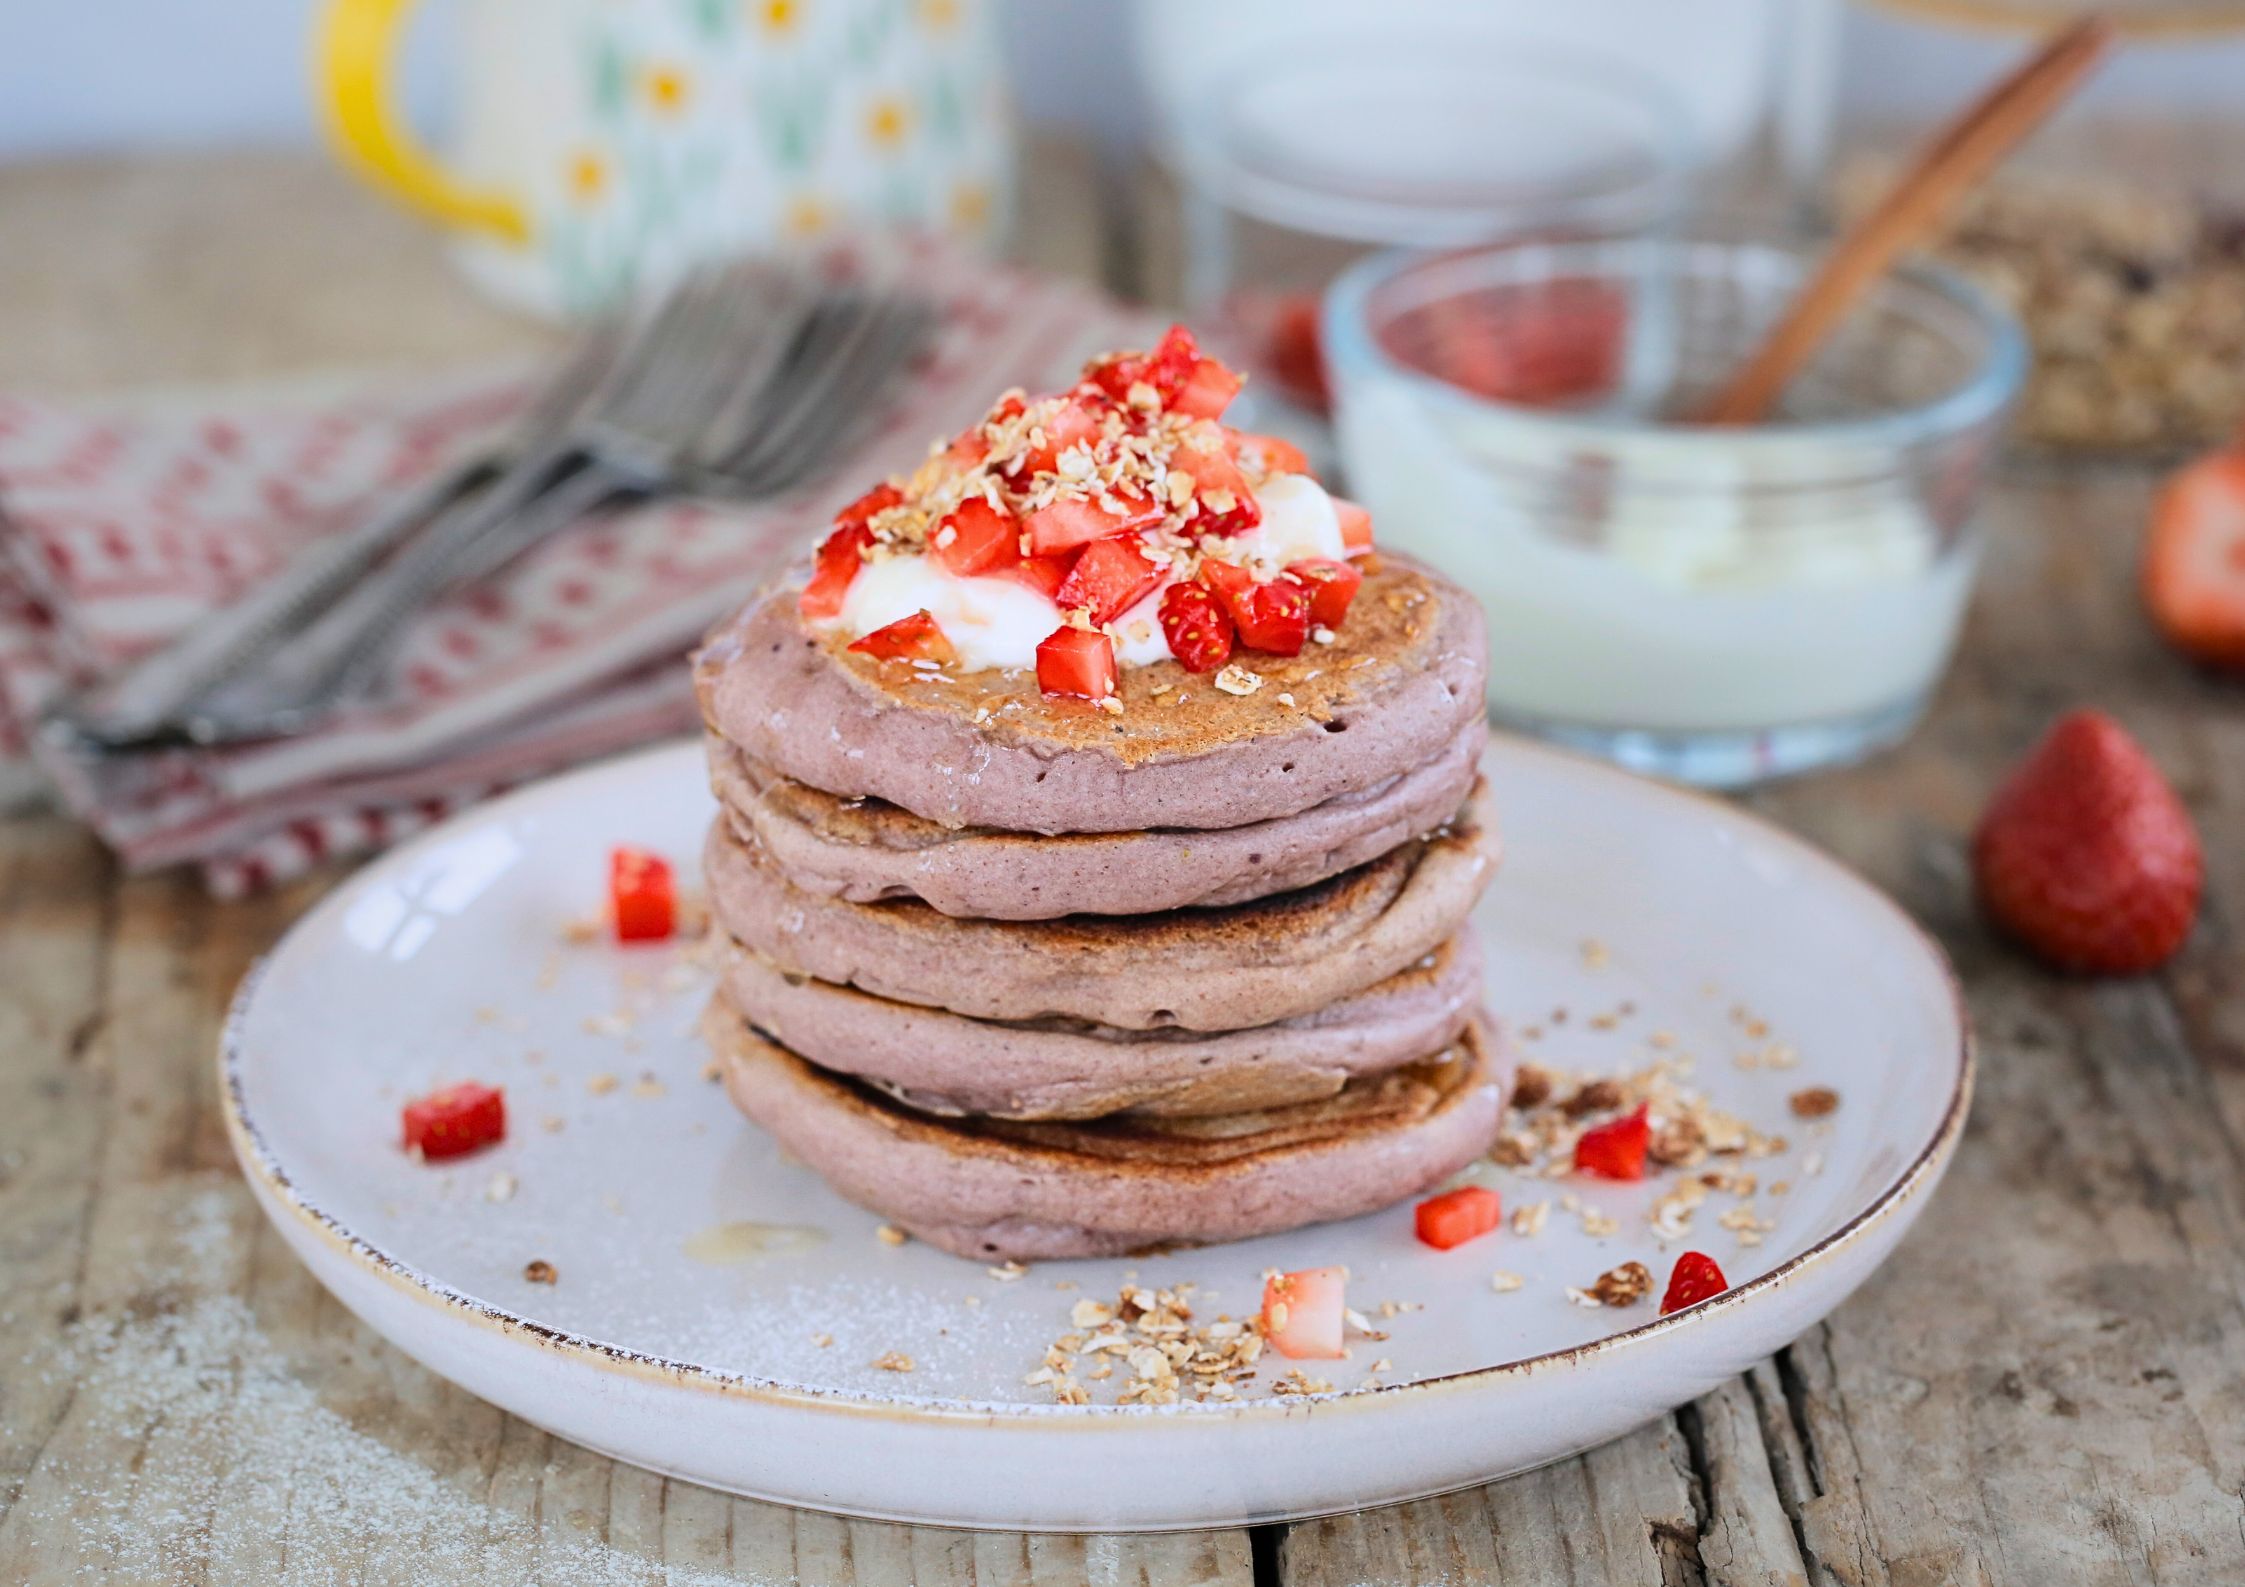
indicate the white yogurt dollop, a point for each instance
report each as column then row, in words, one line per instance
column 999, row 622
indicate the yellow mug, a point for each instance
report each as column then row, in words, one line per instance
column 604, row 145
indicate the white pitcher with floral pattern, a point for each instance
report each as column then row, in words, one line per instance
column 604, row 145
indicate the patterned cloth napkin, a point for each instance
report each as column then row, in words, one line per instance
column 122, row 525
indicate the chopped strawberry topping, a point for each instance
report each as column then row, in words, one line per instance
column 975, row 538
column 1075, row 423
column 1227, row 579
column 1198, row 626
column 1451, row 1219
column 1181, row 379
column 1045, row 575
column 1696, row 1278
column 1303, row 1313
column 642, row 895
column 455, row 1121
column 1616, row 1149
column 867, row 507
column 915, row 638
column 1332, row 585
column 1087, row 497
column 1071, row 521
column 1078, row 662
column 1356, row 526
column 840, row 555
column 1273, row 618
column 1276, row 456
column 1206, row 391
column 1227, row 503
column 1110, row 577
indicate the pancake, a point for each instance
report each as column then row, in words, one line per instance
column 1402, row 680
column 1203, row 969
column 864, row 851
column 944, row 1063
column 995, row 1189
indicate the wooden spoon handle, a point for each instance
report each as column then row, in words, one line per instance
column 1948, row 167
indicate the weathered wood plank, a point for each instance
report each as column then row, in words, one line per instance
column 1625, row 1513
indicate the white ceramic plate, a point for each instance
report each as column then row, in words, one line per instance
column 662, row 1343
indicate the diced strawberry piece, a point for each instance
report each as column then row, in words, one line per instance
column 1076, row 661
column 1227, row 501
column 455, row 1121
column 1295, row 352
column 1332, row 585
column 1356, row 526
column 1228, row 579
column 1110, row 576
column 915, row 638
column 1172, row 362
column 1075, row 423
column 2086, row 855
column 975, row 537
column 1198, row 626
column 1303, row 1313
column 1045, row 575
column 971, row 447
column 1206, row 391
column 1273, row 455
column 840, row 555
column 642, row 895
column 1180, row 377
column 1616, row 1149
column 875, row 501
column 1456, row 1216
column 1076, row 521
column 1696, row 1278
column 1273, row 618
column 2194, row 560
column 1164, row 369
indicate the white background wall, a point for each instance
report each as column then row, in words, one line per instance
column 95, row 75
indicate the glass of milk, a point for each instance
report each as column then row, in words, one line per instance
column 1714, row 605
column 1357, row 129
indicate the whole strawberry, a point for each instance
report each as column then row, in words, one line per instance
column 2086, row 855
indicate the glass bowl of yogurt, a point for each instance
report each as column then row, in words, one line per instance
column 1717, row 606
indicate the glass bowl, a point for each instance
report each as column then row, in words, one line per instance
column 1427, row 134
column 1713, row 605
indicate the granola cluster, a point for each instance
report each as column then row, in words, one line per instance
column 1150, row 1336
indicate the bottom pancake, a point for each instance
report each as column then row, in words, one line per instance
column 940, row 1062
column 997, row 1189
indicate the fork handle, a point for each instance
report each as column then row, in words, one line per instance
column 141, row 704
column 339, row 658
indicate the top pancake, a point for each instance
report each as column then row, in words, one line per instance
column 986, row 749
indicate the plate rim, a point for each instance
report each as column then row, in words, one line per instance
column 279, row 1192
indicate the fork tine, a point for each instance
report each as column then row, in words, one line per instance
column 819, row 401
column 822, row 423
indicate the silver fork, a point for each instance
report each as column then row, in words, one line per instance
column 721, row 329
column 744, row 358
column 140, row 703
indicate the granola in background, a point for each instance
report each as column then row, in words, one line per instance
column 2133, row 298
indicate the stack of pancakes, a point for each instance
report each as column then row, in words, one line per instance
column 1035, row 979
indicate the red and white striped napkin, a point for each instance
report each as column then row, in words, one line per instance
column 122, row 525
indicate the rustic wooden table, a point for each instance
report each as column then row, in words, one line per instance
column 2046, row 1384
